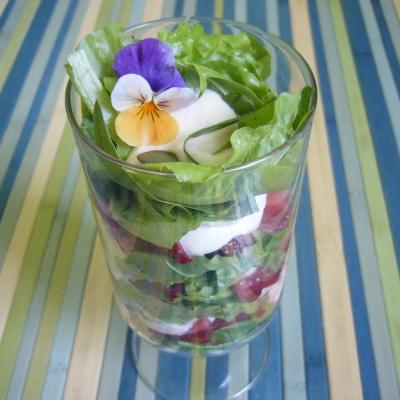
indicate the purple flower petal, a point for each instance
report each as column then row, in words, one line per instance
column 152, row 59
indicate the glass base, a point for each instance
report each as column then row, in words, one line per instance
column 224, row 376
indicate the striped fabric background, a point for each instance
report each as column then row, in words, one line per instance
column 337, row 335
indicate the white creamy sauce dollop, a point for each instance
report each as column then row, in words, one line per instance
column 208, row 110
column 211, row 236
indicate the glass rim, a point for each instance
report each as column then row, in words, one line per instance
column 274, row 40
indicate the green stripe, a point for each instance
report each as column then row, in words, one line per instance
column 32, row 261
column 18, row 35
column 373, row 188
column 125, row 11
column 44, row 342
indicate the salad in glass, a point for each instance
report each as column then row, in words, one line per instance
column 194, row 165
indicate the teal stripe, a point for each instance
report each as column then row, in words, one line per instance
column 292, row 338
column 362, row 227
column 9, row 26
column 169, row 8
column 392, row 23
column 390, row 91
column 113, row 357
column 69, row 315
column 7, row 147
column 137, row 12
column 115, row 10
column 38, row 301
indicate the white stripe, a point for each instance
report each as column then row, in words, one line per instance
column 239, row 371
column 393, row 24
column 69, row 314
column 240, row 10
column 363, row 232
column 388, row 84
column 113, row 357
column 292, row 338
column 148, row 364
column 189, row 8
column 115, row 10
column 32, row 324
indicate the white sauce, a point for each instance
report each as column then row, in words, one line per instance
column 208, row 110
column 211, row 236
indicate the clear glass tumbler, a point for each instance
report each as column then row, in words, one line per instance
column 201, row 305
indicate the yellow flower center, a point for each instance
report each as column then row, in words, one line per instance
column 146, row 125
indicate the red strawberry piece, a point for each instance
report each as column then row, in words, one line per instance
column 201, row 331
column 180, row 254
column 174, row 291
column 250, row 286
column 276, row 212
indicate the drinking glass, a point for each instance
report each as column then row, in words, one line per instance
column 199, row 306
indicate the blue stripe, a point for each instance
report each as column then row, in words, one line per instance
column 6, row 13
column 364, row 342
column 270, row 384
column 377, row 113
column 229, row 9
column 217, row 370
column 205, row 8
column 313, row 335
column 387, row 42
column 16, row 78
column 285, row 28
column 127, row 386
column 173, row 375
column 256, row 13
column 178, row 8
column 34, row 111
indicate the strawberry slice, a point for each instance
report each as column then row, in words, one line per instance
column 249, row 287
column 180, row 254
column 200, row 332
column 277, row 211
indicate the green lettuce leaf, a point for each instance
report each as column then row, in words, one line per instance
column 87, row 66
column 234, row 65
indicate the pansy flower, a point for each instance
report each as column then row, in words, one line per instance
column 149, row 88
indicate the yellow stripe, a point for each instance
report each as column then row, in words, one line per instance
column 340, row 342
column 396, row 4
column 219, row 8
column 3, row 4
column 383, row 240
column 153, row 10
column 15, row 42
column 13, row 261
column 197, row 378
column 85, row 367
